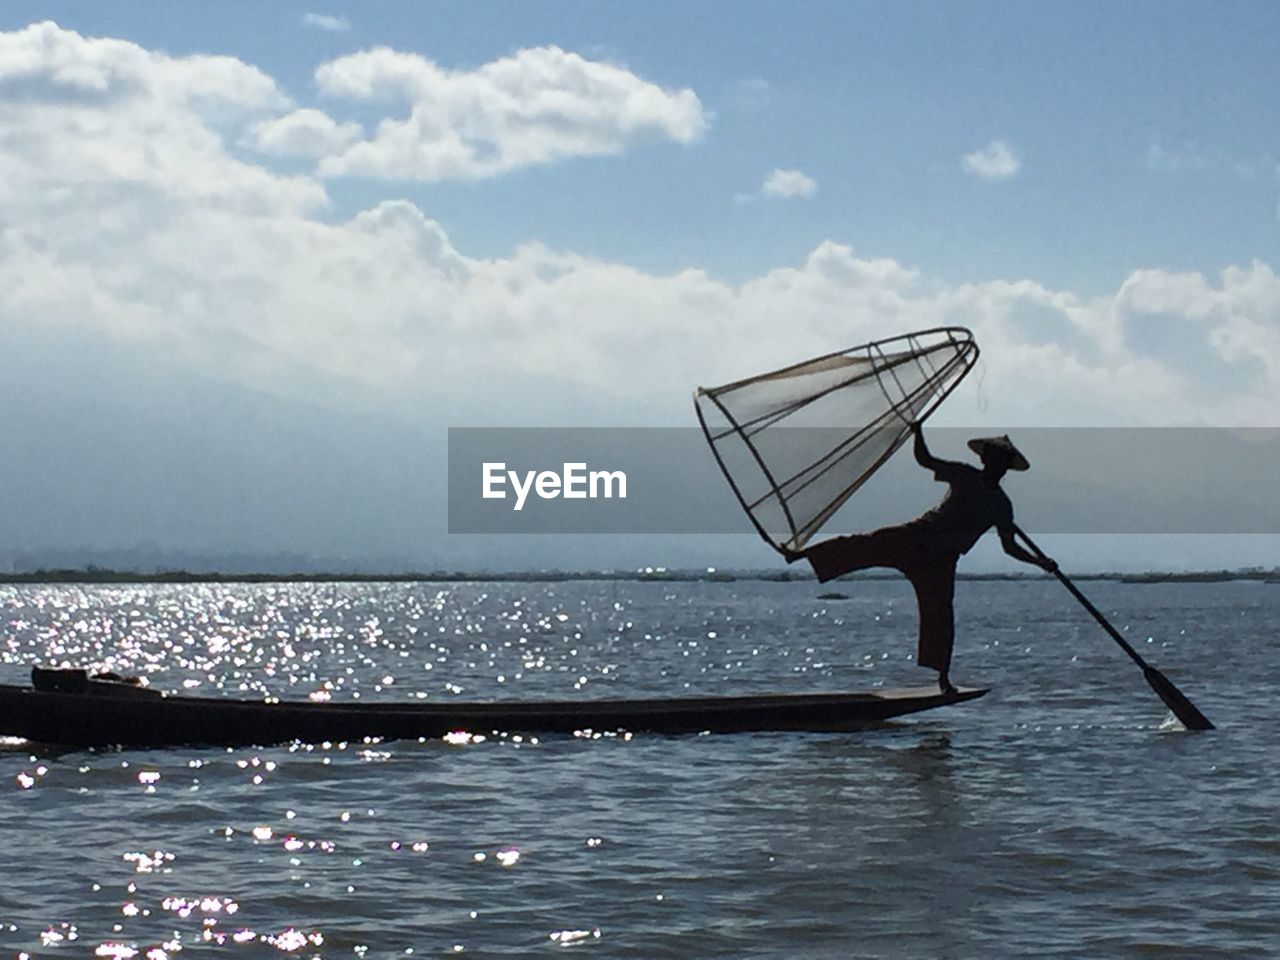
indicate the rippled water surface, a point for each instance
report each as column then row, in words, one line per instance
column 1064, row 815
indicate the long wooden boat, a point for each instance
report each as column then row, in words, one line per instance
column 88, row 712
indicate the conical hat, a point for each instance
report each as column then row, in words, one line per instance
column 1001, row 446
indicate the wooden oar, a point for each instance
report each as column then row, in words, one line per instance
column 1187, row 712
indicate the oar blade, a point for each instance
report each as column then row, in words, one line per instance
column 1188, row 713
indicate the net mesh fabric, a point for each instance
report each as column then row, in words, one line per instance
column 796, row 443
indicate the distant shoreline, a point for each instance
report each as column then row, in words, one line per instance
column 94, row 575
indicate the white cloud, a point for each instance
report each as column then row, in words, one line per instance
column 306, row 133
column 785, row 184
column 995, row 161
column 385, row 301
column 124, row 219
column 534, row 107
column 86, row 120
column 1191, row 157
column 45, row 62
column 1161, row 292
column 323, row 21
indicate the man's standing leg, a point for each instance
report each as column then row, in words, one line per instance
column 935, row 586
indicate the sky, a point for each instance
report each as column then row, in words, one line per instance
column 255, row 259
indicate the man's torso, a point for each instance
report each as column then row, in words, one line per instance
column 970, row 508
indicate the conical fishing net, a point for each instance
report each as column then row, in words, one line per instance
column 796, row 443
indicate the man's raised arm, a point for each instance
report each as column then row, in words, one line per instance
column 942, row 469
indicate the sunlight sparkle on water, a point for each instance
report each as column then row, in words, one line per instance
column 156, row 861
column 460, row 738
column 571, row 938
column 291, row 940
column 56, row 934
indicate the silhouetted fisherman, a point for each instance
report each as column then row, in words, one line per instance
column 926, row 549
